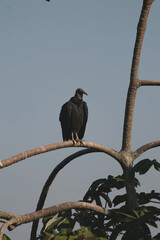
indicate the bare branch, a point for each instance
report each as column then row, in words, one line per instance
column 21, row 219
column 35, row 151
column 134, row 83
column 149, row 82
column 146, row 147
column 55, row 146
column 7, row 215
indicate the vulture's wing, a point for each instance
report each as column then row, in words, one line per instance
column 85, row 118
column 65, row 119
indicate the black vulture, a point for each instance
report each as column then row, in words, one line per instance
column 73, row 117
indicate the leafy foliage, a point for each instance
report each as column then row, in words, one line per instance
column 143, row 166
column 134, row 223
column 62, row 226
column 101, row 188
column 123, row 222
column 144, row 198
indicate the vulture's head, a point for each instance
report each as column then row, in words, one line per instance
column 79, row 93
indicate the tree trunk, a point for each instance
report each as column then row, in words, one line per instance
column 131, row 202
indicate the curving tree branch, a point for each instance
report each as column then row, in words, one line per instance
column 21, row 219
column 7, row 215
column 145, row 148
column 39, row 150
column 49, row 182
column 33, row 152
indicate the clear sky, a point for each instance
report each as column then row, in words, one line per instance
column 47, row 50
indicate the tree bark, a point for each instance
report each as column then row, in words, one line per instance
column 131, row 202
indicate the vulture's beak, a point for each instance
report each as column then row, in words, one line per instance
column 85, row 93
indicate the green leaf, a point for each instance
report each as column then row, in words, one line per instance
column 129, row 216
column 117, row 230
column 156, row 165
column 102, row 238
column 85, row 233
column 117, row 182
column 46, row 219
column 61, row 238
column 153, row 224
column 137, row 213
column 46, row 236
column 131, row 233
column 144, row 198
column 119, row 199
column 66, row 227
column 143, row 166
column 97, row 186
column 53, row 222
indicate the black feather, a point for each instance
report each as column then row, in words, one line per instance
column 73, row 117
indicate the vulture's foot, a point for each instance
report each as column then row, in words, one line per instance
column 74, row 141
column 81, row 142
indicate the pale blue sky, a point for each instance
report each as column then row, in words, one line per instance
column 47, row 51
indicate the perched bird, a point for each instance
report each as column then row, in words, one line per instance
column 73, row 117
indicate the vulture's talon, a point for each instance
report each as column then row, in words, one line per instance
column 74, row 142
column 81, row 143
